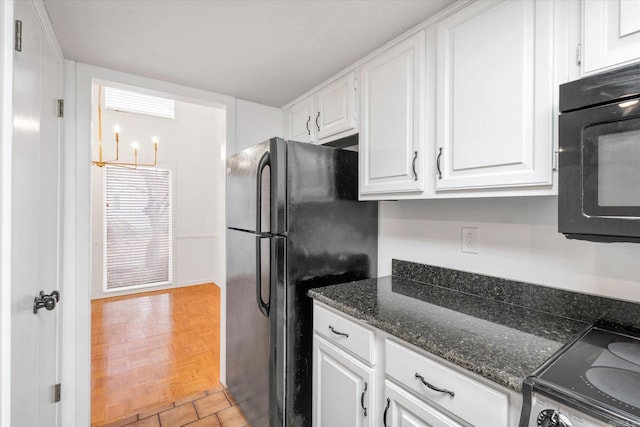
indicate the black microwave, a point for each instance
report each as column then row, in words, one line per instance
column 599, row 157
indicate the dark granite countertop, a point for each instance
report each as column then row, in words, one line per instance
column 500, row 341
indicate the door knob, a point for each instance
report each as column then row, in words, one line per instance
column 45, row 301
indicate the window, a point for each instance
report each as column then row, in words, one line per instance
column 133, row 102
column 137, row 227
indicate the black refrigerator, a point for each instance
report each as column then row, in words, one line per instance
column 294, row 222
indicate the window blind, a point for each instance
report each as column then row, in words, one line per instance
column 137, row 227
column 133, row 102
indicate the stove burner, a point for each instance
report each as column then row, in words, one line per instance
column 627, row 351
column 620, row 384
column 598, row 375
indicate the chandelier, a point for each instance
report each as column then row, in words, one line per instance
column 135, row 146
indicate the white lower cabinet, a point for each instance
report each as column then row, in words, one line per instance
column 342, row 388
column 406, row 388
column 442, row 387
column 404, row 410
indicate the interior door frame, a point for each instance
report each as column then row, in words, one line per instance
column 76, row 285
column 6, row 132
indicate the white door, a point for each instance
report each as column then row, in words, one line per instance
column 611, row 33
column 335, row 104
column 495, row 101
column 404, row 410
column 392, row 107
column 342, row 388
column 301, row 121
column 35, row 210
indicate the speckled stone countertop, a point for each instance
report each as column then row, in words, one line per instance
column 497, row 340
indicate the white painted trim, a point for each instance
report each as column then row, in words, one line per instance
column 196, row 283
column 47, row 28
column 197, row 237
column 143, row 289
column 6, row 134
column 76, row 330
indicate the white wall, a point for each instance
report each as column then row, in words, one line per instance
column 191, row 147
column 255, row 123
column 518, row 240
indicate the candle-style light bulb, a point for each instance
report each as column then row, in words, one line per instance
column 155, row 141
column 135, row 146
column 116, row 129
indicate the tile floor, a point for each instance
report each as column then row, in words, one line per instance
column 212, row 408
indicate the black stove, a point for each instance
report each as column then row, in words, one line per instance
column 594, row 380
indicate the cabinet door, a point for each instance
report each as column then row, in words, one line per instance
column 342, row 388
column 404, row 410
column 392, row 106
column 495, row 96
column 300, row 121
column 611, row 33
column 335, row 107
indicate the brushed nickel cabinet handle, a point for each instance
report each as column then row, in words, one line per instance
column 335, row 331
column 413, row 165
column 434, row 388
column 384, row 417
column 364, row 409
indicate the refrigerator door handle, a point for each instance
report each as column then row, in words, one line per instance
column 263, row 306
column 265, row 161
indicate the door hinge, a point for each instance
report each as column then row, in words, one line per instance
column 56, row 393
column 579, row 54
column 60, row 107
column 18, row 36
column 554, row 161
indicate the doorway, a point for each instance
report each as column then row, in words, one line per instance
column 76, row 341
column 154, row 215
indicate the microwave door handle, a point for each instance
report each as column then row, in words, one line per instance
column 265, row 161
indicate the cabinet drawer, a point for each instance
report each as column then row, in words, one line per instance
column 344, row 333
column 471, row 401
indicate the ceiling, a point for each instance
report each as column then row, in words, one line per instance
column 265, row 51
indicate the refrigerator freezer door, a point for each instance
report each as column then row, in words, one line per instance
column 256, row 183
column 248, row 339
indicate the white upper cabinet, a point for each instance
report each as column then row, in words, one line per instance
column 495, row 85
column 611, row 33
column 300, row 116
column 335, row 107
column 392, row 109
column 325, row 115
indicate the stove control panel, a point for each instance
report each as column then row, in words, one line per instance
column 553, row 418
column 547, row 412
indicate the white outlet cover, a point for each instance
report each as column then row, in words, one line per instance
column 470, row 240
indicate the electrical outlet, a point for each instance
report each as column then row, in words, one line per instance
column 470, row 240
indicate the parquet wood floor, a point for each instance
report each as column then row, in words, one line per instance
column 153, row 348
